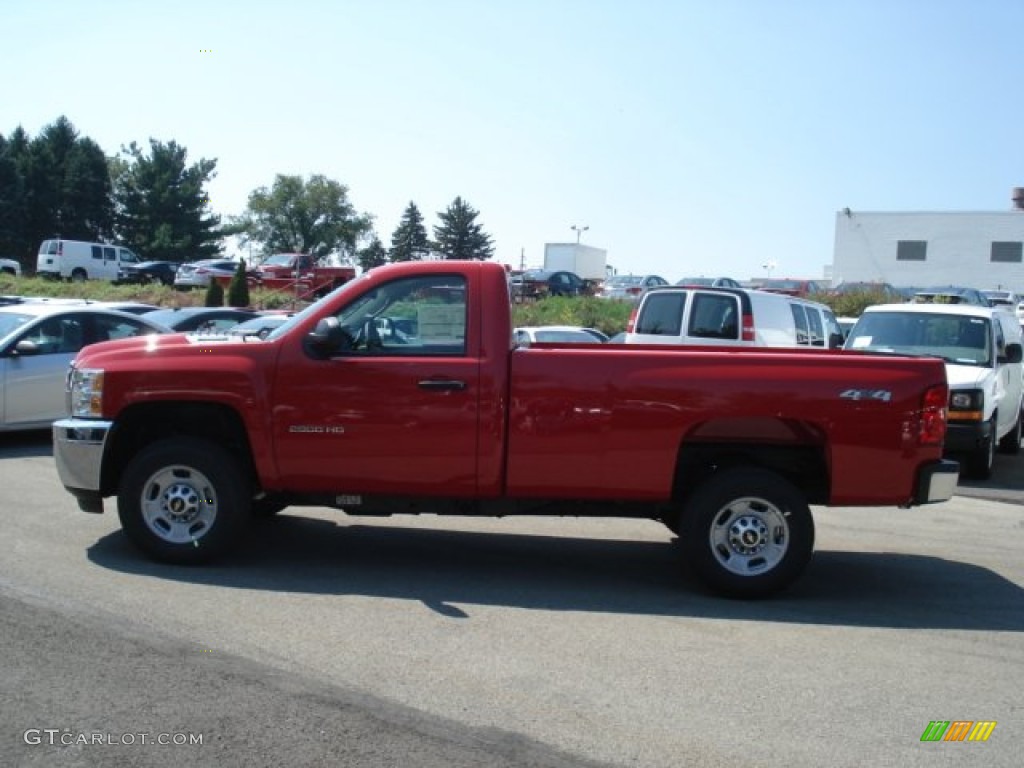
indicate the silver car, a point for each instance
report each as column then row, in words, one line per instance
column 37, row 343
column 629, row 287
column 197, row 274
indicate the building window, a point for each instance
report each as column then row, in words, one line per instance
column 1010, row 252
column 911, row 250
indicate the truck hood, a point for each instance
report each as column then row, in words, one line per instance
column 137, row 350
column 966, row 376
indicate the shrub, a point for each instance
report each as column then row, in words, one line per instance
column 214, row 294
column 238, row 289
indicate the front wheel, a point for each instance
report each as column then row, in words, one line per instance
column 1011, row 440
column 183, row 500
column 983, row 458
column 747, row 532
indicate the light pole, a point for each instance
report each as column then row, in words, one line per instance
column 769, row 266
column 579, row 231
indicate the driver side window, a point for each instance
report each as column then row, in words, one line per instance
column 423, row 315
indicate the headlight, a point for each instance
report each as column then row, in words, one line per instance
column 85, row 392
column 967, row 404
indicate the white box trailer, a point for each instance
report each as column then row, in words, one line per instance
column 586, row 261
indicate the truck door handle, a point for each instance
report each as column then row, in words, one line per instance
column 442, row 384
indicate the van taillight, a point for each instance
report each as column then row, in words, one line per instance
column 933, row 415
column 631, row 325
column 748, row 328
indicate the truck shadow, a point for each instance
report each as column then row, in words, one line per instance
column 448, row 569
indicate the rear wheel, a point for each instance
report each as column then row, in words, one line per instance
column 183, row 500
column 79, row 276
column 747, row 532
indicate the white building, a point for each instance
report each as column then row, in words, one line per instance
column 975, row 249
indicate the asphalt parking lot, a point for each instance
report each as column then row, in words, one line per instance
column 331, row 640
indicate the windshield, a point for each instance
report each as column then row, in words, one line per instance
column 960, row 339
column 278, row 260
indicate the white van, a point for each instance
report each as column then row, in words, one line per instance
column 77, row 260
column 981, row 347
column 731, row 317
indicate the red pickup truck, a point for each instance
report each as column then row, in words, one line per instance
column 404, row 393
column 298, row 274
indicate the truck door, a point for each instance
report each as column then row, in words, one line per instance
column 393, row 407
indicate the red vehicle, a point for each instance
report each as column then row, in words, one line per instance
column 404, row 393
column 297, row 273
column 791, row 287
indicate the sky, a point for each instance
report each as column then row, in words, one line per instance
column 689, row 137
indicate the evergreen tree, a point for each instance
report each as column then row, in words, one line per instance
column 238, row 289
column 55, row 184
column 162, row 206
column 373, row 255
column 459, row 236
column 409, row 241
column 214, row 294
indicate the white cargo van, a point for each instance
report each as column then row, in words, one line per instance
column 981, row 347
column 731, row 317
column 78, row 260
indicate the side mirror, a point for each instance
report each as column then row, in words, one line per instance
column 328, row 336
column 1013, row 353
column 25, row 348
column 835, row 340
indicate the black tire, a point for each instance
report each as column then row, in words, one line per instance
column 79, row 276
column 981, row 460
column 183, row 501
column 747, row 532
column 1011, row 440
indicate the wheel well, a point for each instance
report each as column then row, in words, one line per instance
column 804, row 466
column 142, row 425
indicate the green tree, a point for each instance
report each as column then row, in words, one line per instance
column 162, row 207
column 238, row 288
column 459, row 236
column 298, row 216
column 373, row 255
column 409, row 241
column 214, row 294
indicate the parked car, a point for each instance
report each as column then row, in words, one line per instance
column 710, row 282
column 10, row 267
column 629, row 287
column 731, row 317
column 1001, row 298
column 147, row 272
column 260, row 326
column 981, row 347
column 200, row 319
column 556, row 333
column 951, row 294
column 791, row 287
column 538, row 283
column 197, row 274
column 38, row 341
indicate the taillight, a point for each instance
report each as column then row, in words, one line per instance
column 933, row 415
column 632, row 320
column 748, row 328
column 635, row 291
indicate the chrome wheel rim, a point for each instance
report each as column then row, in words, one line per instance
column 749, row 536
column 179, row 504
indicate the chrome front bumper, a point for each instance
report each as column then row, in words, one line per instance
column 78, row 447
